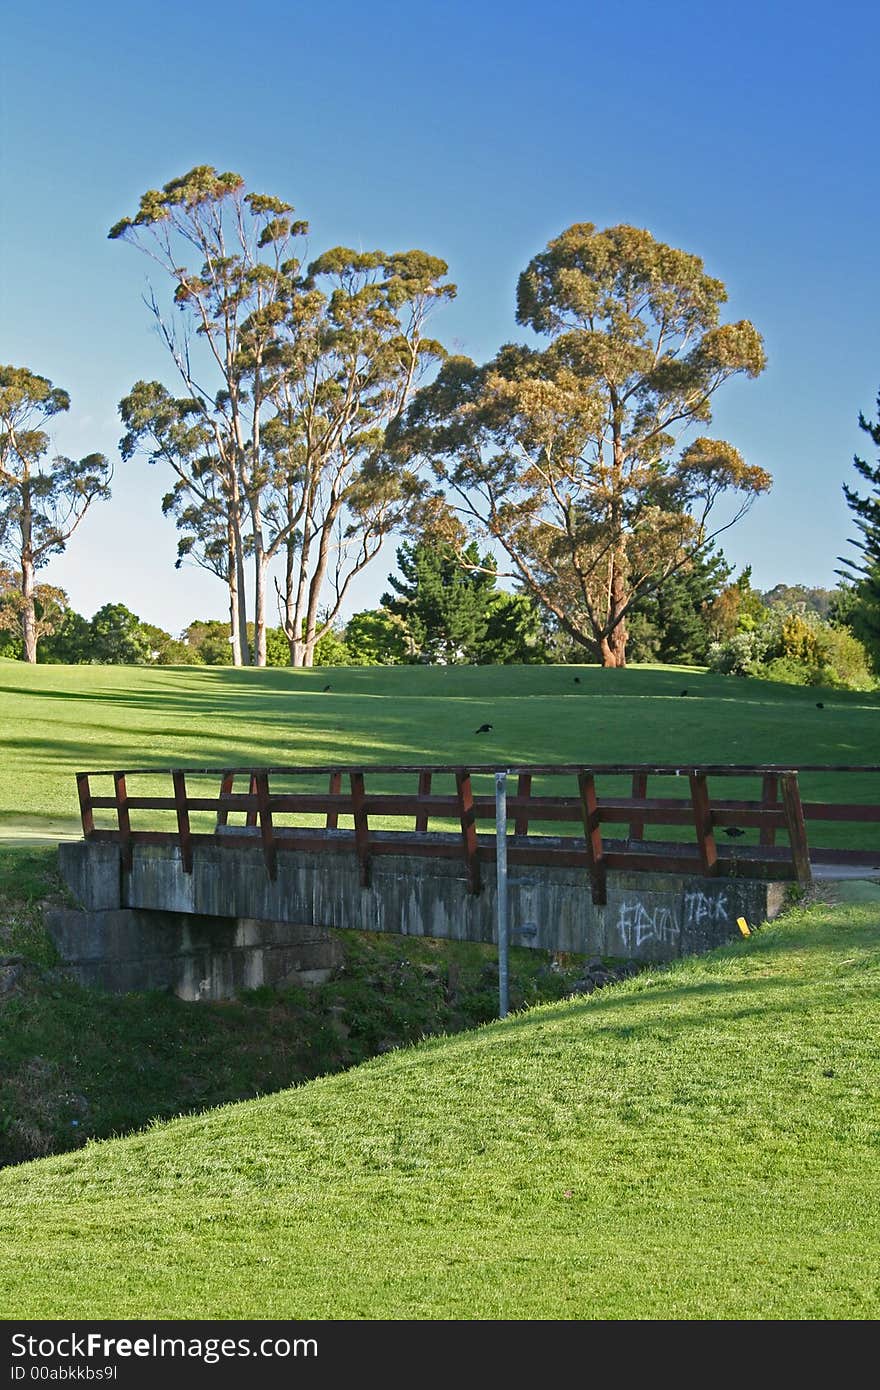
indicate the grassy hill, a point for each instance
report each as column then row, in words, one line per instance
column 55, row 721
column 77, row 1064
column 696, row 1143
column 700, row 1142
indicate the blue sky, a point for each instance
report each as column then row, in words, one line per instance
column 478, row 131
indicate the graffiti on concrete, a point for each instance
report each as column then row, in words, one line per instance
column 700, row 909
column 639, row 924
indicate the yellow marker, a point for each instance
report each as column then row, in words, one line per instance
column 743, row 926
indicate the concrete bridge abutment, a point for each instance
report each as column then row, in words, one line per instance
column 228, row 926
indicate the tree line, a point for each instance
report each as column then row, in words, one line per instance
column 438, row 612
column 309, row 414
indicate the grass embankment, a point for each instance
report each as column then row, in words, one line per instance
column 77, row 1064
column 700, row 1142
column 55, row 721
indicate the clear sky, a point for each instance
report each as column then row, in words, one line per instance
column 745, row 133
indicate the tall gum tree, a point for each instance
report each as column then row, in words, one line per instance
column 42, row 502
column 290, row 377
column 354, row 353
column 229, row 305
column 571, row 456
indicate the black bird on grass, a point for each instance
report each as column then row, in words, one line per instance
column 819, row 705
column 577, row 680
column 326, row 688
column 733, row 831
column 683, row 692
column 484, row 729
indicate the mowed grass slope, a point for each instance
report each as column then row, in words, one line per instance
column 695, row 1143
column 55, row 721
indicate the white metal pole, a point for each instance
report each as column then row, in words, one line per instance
column 501, row 867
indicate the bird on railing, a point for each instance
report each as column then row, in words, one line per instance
column 733, row 831
column 484, row 729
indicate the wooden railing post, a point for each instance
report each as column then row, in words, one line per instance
column 361, row 826
column 524, row 789
column 251, row 816
column 593, row 837
column 797, row 829
column 703, row 823
column 227, row 782
column 335, row 788
column 260, row 784
column 467, row 818
column 639, row 791
column 87, row 815
column 183, row 830
column 768, row 802
column 424, row 790
column 123, row 820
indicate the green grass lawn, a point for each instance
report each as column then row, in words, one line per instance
column 55, row 721
column 701, row 1142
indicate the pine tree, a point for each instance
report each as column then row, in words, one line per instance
column 670, row 624
column 442, row 600
column 863, row 614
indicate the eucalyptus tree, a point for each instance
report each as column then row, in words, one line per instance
column 290, row 376
column 42, row 501
column 570, row 456
column 355, row 351
column 230, row 305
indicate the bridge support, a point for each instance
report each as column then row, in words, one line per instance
column 259, row 929
column 197, row 958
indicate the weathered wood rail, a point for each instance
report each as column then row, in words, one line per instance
column 579, row 803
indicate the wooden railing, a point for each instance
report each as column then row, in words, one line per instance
column 446, row 793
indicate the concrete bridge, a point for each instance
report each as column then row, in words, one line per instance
column 226, row 925
column 211, row 907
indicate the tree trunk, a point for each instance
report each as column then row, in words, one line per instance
column 28, row 613
column 232, row 581
column 612, row 646
column 240, row 590
column 287, row 618
column 260, row 568
column 295, row 605
column 315, row 589
column 612, row 650
column 28, row 573
column 261, row 559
